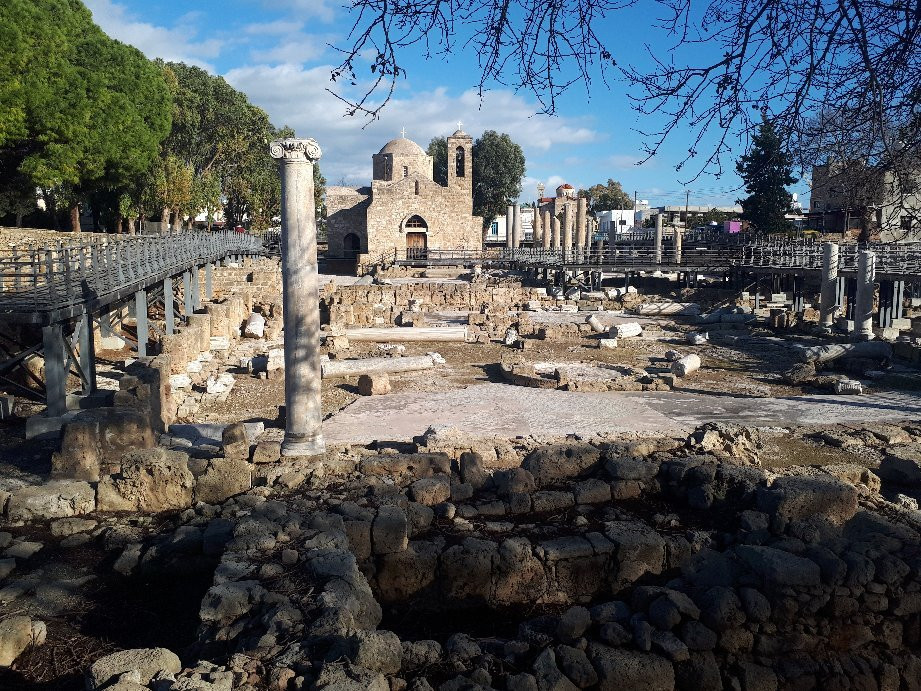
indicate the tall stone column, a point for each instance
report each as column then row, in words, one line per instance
column 300, row 291
column 829, row 296
column 679, row 236
column 509, row 222
column 537, row 232
column 516, row 227
column 567, row 227
column 548, row 234
column 582, row 239
column 658, row 239
column 863, row 302
column 555, row 231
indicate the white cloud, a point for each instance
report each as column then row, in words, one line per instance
column 295, row 51
column 320, row 9
column 279, row 27
column 297, row 96
column 180, row 42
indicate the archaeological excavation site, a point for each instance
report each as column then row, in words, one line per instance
column 566, row 466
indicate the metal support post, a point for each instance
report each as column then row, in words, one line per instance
column 188, row 306
column 55, row 370
column 799, row 300
column 140, row 315
column 87, row 353
column 169, row 316
column 209, row 282
column 196, row 289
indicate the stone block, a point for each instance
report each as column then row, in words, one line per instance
column 94, row 441
column 223, row 478
column 151, row 480
column 55, row 499
column 374, row 384
column 389, row 530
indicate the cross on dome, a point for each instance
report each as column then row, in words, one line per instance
column 460, row 125
column 403, row 133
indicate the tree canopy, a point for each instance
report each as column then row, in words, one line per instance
column 606, row 197
column 766, row 171
column 88, row 119
column 498, row 166
column 79, row 111
column 438, row 150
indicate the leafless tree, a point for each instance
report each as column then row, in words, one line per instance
column 789, row 59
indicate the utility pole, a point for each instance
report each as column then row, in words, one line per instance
column 634, row 208
column 687, row 200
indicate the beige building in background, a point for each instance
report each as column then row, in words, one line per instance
column 405, row 209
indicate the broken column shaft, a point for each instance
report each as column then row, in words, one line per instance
column 300, row 291
column 863, row 303
column 828, row 302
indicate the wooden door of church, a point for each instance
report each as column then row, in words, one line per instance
column 416, row 244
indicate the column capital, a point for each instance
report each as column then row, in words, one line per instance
column 294, row 150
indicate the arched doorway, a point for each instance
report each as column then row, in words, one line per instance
column 416, row 237
column 351, row 246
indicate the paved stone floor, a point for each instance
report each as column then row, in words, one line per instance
column 503, row 410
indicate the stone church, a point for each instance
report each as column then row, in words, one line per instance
column 405, row 209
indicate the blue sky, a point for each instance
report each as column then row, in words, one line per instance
column 276, row 51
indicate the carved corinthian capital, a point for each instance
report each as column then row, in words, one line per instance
column 295, row 150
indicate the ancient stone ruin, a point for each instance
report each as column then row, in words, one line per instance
column 463, row 478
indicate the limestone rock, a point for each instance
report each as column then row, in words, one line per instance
column 432, row 490
column 374, row 384
column 234, row 441
column 223, row 478
column 55, row 499
column 151, row 480
column 148, row 662
column 902, row 464
column 15, row 637
column 627, row 669
column 379, row 651
column 778, row 567
column 798, row 497
column 389, row 531
column 553, row 463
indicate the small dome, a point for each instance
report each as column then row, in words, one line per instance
column 461, row 133
column 403, row 147
column 565, row 186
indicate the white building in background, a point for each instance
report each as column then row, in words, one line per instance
column 615, row 222
column 498, row 228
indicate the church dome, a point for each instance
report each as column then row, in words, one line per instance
column 402, row 147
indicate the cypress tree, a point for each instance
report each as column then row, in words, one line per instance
column 766, row 171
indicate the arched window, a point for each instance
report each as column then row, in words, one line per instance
column 459, row 162
column 405, row 171
column 418, row 187
column 416, row 222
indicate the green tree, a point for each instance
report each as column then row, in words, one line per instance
column 438, row 150
column 766, row 172
column 498, row 166
column 607, row 197
column 206, row 194
column 319, row 199
column 80, row 114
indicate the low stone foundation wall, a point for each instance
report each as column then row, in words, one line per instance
column 371, row 305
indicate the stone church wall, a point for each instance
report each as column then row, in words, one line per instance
column 347, row 213
column 446, row 211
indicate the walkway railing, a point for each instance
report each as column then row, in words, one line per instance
column 48, row 278
column 697, row 254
